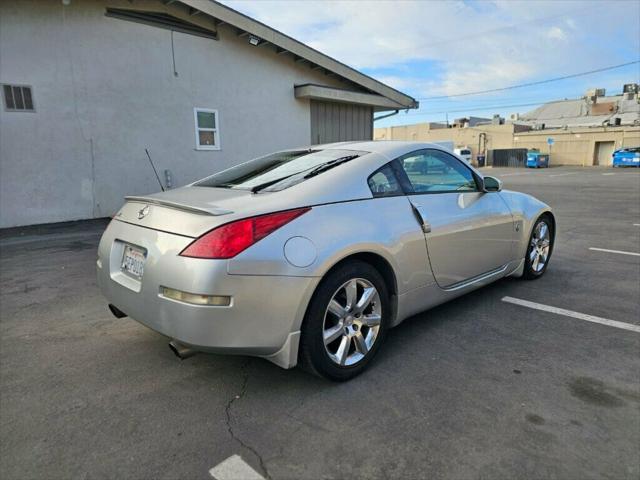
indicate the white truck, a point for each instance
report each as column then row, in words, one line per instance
column 464, row 153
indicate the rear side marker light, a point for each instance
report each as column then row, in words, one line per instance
column 227, row 241
column 195, row 299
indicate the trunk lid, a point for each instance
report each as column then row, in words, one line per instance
column 187, row 211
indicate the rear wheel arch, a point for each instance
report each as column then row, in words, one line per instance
column 383, row 267
column 367, row 267
column 379, row 263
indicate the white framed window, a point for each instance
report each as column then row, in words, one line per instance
column 207, row 129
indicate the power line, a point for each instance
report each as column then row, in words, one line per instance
column 530, row 84
column 488, row 107
column 490, row 100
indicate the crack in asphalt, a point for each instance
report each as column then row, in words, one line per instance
column 227, row 411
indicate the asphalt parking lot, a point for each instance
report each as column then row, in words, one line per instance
column 476, row 388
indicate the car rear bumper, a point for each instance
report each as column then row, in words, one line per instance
column 263, row 318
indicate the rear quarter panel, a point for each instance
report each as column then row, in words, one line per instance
column 383, row 226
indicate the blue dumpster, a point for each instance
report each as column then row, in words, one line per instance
column 537, row 160
column 627, row 157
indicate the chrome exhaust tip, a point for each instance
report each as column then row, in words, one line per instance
column 181, row 351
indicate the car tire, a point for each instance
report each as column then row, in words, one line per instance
column 356, row 330
column 539, row 248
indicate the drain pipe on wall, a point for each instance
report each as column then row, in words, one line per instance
column 386, row 116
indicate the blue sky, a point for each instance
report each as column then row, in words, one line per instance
column 431, row 48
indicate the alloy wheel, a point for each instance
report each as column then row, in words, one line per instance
column 352, row 322
column 540, row 246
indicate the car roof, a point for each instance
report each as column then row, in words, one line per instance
column 388, row 148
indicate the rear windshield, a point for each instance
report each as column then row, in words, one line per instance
column 278, row 171
column 465, row 152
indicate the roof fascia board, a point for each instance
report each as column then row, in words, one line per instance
column 319, row 92
column 173, row 8
column 243, row 22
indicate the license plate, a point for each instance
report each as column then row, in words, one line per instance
column 133, row 261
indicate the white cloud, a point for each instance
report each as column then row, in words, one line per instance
column 439, row 47
column 556, row 33
column 498, row 72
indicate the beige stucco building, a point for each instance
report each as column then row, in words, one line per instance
column 580, row 146
column 572, row 146
column 478, row 139
column 585, row 131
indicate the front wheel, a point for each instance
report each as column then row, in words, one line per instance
column 345, row 322
column 539, row 249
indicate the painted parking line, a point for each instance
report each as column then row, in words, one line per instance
column 621, row 252
column 234, row 468
column 636, row 224
column 563, row 174
column 608, row 174
column 572, row 314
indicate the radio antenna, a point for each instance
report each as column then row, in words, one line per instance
column 154, row 169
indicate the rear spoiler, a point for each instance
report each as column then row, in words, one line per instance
column 214, row 211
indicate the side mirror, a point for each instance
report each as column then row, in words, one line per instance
column 492, row 184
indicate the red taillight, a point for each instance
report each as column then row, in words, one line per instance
column 229, row 240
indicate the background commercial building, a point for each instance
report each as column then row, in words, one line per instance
column 89, row 85
column 585, row 131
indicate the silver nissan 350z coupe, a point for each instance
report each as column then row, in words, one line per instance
column 309, row 256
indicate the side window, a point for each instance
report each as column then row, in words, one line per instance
column 432, row 171
column 383, row 182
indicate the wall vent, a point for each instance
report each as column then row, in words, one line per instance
column 17, row 98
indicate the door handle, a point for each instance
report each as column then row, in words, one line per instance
column 417, row 210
